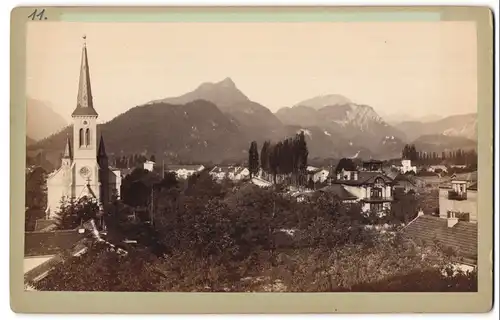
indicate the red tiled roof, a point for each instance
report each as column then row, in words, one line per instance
column 462, row 237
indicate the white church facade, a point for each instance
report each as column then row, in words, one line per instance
column 84, row 167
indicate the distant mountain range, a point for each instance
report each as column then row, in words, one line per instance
column 464, row 125
column 216, row 122
column 42, row 120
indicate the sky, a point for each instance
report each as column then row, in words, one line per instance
column 417, row 68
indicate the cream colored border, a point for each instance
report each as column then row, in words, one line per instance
column 69, row 302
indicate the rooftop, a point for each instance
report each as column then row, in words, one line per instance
column 339, row 191
column 40, row 243
column 365, row 177
column 462, row 237
column 346, row 164
column 175, row 167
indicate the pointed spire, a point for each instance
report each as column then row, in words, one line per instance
column 67, row 149
column 101, row 153
column 84, row 104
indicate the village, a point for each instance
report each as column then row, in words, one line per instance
column 443, row 203
column 271, row 223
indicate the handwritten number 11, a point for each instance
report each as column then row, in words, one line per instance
column 37, row 15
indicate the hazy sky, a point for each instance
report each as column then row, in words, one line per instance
column 398, row 68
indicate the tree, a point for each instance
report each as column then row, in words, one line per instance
column 73, row 212
column 36, row 197
column 102, row 270
column 264, row 156
column 253, row 159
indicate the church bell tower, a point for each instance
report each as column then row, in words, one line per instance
column 85, row 169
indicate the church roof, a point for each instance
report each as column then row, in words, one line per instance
column 67, row 149
column 102, row 149
column 84, row 104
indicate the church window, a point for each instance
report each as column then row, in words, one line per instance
column 81, row 137
column 87, row 137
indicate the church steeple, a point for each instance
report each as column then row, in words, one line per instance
column 84, row 104
column 67, row 150
column 101, row 153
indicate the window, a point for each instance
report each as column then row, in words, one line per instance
column 81, row 137
column 376, row 193
column 377, row 207
column 87, row 137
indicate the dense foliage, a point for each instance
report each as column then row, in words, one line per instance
column 226, row 237
column 453, row 157
column 36, row 197
column 287, row 158
column 72, row 213
column 253, row 159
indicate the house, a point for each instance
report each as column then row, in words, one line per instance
column 458, row 198
column 234, row 173
column 44, row 250
column 149, row 165
column 405, row 182
column 317, row 174
column 407, row 167
column 301, row 196
column 437, row 168
column 428, row 179
column 185, row 171
column 338, row 191
column 448, row 232
column 468, row 177
column 372, row 188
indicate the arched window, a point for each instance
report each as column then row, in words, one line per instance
column 81, row 137
column 87, row 137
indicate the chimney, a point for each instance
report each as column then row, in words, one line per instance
column 452, row 220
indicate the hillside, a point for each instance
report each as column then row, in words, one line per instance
column 42, row 120
column 256, row 120
column 457, row 125
column 358, row 124
column 440, row 142
column 197, row 131
column 323, row 101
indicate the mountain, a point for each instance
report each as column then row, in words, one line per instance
column 41, row 119
column 358, row 124
column 256, row 120
column 323, row 101
column 396, row 118
column 323, row 144
column 197, row 131
column 390, row 147
column 440, row 142
column 299, row 116
column 464, row 125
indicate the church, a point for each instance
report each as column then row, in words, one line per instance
column 84, row 170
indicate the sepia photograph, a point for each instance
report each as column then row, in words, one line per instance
column 251, row 157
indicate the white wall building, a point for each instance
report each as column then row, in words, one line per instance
column 185, row 171
column 149, row 165
column 407, row 167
